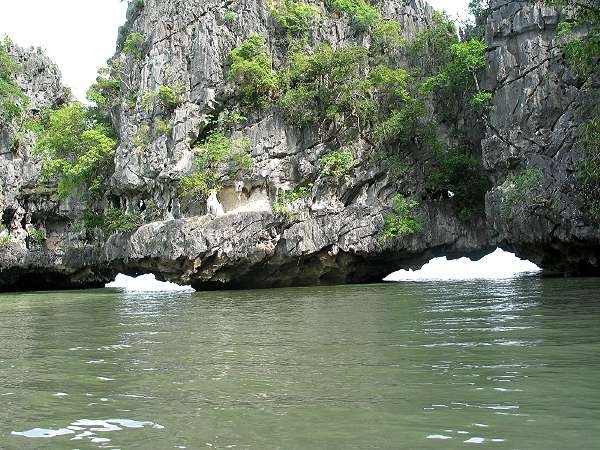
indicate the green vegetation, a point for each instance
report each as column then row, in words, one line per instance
column 479, row 10
column 77, row 147
column 404, row 125
column 462, row 175
column 294, row 17
column 361, row 91
column 230, row 17
column 326, row 84
column 13, row 100
column 588, row 170
column 5, row 240
column 429, row 51
column 161, row 126
column 35, row 235
column 217, row 154
column 143, row 137
column 251, row 71
column 363, row 14
column 337, row 164
column 460, row 71
column 118, row 221
column 581, row 49
column 284, row 199
column 169, row 97
column 106, row 89
column 519, row 189
column 134, row 44
column 401, row 222
column 218, row 149
column 199, row 185
column 387, row 36
column 580, row 30
column 105, row 224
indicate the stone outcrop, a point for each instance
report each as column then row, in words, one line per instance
column 538, row 107
column 333, row 234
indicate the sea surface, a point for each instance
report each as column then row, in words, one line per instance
column 506, row 364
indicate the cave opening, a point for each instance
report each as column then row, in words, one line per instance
column 499, row 264
column 146, row 282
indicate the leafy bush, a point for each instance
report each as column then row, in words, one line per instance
column 581, row 50
column 481, row 100
column 337, row 164
column 363, row 14
column 430, row 49
column 13, row 100
column 77, row 147
column 460, row 72
column 118, row 221
column 106, row 89
column 326, row 84
column 35, row 235
column 251, row 71
column 281, row 205
column 217, row 153
column 143, row 137
column 170, row 97
column 401, row 221
column 404, row 125
column 161, row 126
column 387, row 36
column 463, row 176
column 133, row 45
column 588, row 170
column 5, row 240
column 294, row 17
column 230, row 17
column 300, row 105
column 519, row 189
column 199, row 185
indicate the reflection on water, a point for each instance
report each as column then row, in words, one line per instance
column 508, row 364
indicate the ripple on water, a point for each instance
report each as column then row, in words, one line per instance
column 88, row 429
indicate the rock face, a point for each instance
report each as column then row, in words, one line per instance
column 333, row 234
column 538, row 106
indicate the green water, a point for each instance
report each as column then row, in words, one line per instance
column 499, row 364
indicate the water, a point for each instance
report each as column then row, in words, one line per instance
column 499, row 364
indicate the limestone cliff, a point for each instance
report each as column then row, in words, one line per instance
column 333, row 232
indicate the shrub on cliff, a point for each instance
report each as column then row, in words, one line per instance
column 337, row 164
column 77, row 147
column 217, row 155
column 460, row 72
column 462, row 175
column 106, row 89
column 251, row 72
column 588, row 170
column 294, row 17
column 133, row 45
column 170, row 97
column 580, row 31
column 363, row 14
column 326, row 83
column 401, row 221
column 12, row 98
